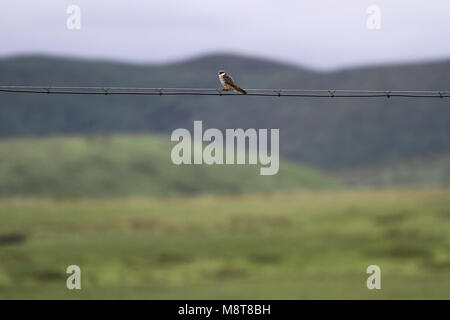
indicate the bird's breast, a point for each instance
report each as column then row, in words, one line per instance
column 222, row 81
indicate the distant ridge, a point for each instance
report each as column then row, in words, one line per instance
column 330, row 134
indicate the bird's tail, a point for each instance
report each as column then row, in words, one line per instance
column 241, row 90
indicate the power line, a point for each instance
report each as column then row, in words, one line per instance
column 218, row 92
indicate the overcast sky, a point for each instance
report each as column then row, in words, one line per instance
column 320, row 34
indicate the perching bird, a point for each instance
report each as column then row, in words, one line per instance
column 228, row 83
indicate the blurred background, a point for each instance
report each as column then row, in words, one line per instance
column 88, row 180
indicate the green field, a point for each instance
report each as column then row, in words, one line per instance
column 291, row 245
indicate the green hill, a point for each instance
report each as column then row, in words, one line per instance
column 419, row 171
column 325, row 133
column 124, row 165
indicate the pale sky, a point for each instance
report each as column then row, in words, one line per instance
column 321, row 34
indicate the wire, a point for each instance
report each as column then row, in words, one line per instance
column 219, row 92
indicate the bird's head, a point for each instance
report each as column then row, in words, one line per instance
column 220, row 72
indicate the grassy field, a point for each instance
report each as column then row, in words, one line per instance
column 299, row 245
column 118, row 165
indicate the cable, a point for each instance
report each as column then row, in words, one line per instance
column 218, row 92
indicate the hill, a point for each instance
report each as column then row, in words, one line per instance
column 326, row 133
column 129, row 165
column 419, row 171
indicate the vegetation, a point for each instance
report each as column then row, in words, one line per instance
column 418, row 171
column 324, row 133
column 284, row 246
column 130, row 165
column 95, row 190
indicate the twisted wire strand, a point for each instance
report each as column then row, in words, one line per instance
column 321, row 93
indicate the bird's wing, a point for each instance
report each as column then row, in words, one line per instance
column 229, row 81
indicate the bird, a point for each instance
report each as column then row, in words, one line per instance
column 228, row 83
